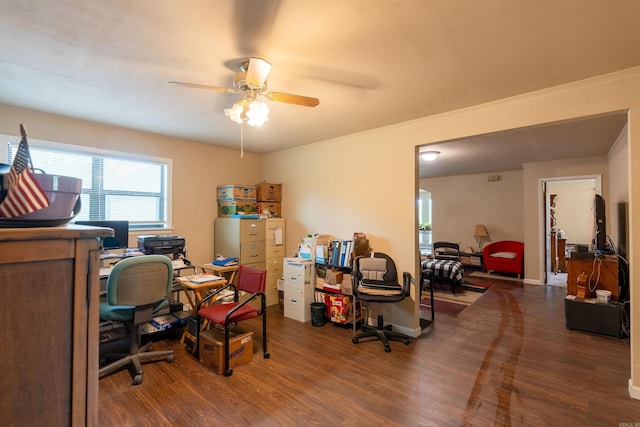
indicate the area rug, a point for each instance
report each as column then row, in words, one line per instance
column 451, row 304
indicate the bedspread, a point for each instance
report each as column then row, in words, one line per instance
column 445, row 268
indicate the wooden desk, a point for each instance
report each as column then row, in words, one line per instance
column 606, row 265
column 228, row 273
column 561, row 255
column 199, row 291
column 554, row 252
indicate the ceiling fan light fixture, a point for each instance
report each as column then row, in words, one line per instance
column 257, row 113
column 254, row 112
column 235, row 113
column 429, row 156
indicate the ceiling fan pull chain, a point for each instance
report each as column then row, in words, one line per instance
column 242, row 139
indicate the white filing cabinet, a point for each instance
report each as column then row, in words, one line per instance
column 298, row 288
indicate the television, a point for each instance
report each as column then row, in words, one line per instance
column 600, row 225
column 120, row 229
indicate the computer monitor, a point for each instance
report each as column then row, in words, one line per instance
column 120, row 238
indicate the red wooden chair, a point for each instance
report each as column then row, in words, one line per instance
column 250, row 281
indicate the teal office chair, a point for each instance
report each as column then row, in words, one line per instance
column 137, row 288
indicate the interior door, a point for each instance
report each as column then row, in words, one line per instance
column 573, row 211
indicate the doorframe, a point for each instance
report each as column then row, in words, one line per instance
column 543, row 216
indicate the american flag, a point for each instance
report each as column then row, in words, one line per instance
column 24, row 194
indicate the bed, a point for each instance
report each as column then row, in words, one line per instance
column 443, row 272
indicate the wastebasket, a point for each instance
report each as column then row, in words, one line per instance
column 318, row 310
column 281, row 299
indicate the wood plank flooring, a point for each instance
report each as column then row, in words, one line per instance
column 508, row 360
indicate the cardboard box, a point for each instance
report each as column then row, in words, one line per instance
column 227, row 208
column 266, row 192
column 212, row 349
column 333, row 277
column 347, row 284
column 339, row 308
column 233, row 192
column 274, row 208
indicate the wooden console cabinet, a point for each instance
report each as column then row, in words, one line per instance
column 49, row 335
column 607, row 265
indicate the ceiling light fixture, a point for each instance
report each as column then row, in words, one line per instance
column 429, row 156
column 248, row 109
column 252, row 79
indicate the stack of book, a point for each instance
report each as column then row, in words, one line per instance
column 225, row 262
column 339, row 252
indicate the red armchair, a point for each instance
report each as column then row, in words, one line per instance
column 505, row 256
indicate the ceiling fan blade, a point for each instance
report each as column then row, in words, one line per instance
column 257, row 72
column 197, row 86
column 305, row 101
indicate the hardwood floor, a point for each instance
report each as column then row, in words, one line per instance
column 508, row 360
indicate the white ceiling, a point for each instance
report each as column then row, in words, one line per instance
column 371, row 63
column 509, row 150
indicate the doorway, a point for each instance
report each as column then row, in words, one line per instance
column 568, row 213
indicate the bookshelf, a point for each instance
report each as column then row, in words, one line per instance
column 332, row 274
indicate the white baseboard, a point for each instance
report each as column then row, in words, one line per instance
column 634, row 392
column 413, row 333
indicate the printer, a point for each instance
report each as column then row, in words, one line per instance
column 172, row 246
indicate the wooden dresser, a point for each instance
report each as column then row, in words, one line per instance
column 607, row 267
column 49, row 335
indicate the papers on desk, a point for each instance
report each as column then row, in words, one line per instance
column 201, row 278
column 104, row 271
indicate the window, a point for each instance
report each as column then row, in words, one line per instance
column 115, row 186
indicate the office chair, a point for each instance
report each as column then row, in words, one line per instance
column 137, row 287
column 375, row 280
column 250, row 281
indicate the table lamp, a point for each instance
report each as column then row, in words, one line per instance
column 481, row 234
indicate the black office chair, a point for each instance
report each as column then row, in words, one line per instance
column 375, row 280
column 137, row 288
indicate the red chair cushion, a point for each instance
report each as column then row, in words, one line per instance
column 217, row 313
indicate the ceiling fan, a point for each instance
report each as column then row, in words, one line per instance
column 251, row 81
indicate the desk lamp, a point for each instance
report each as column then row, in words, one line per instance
column 481, row 234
